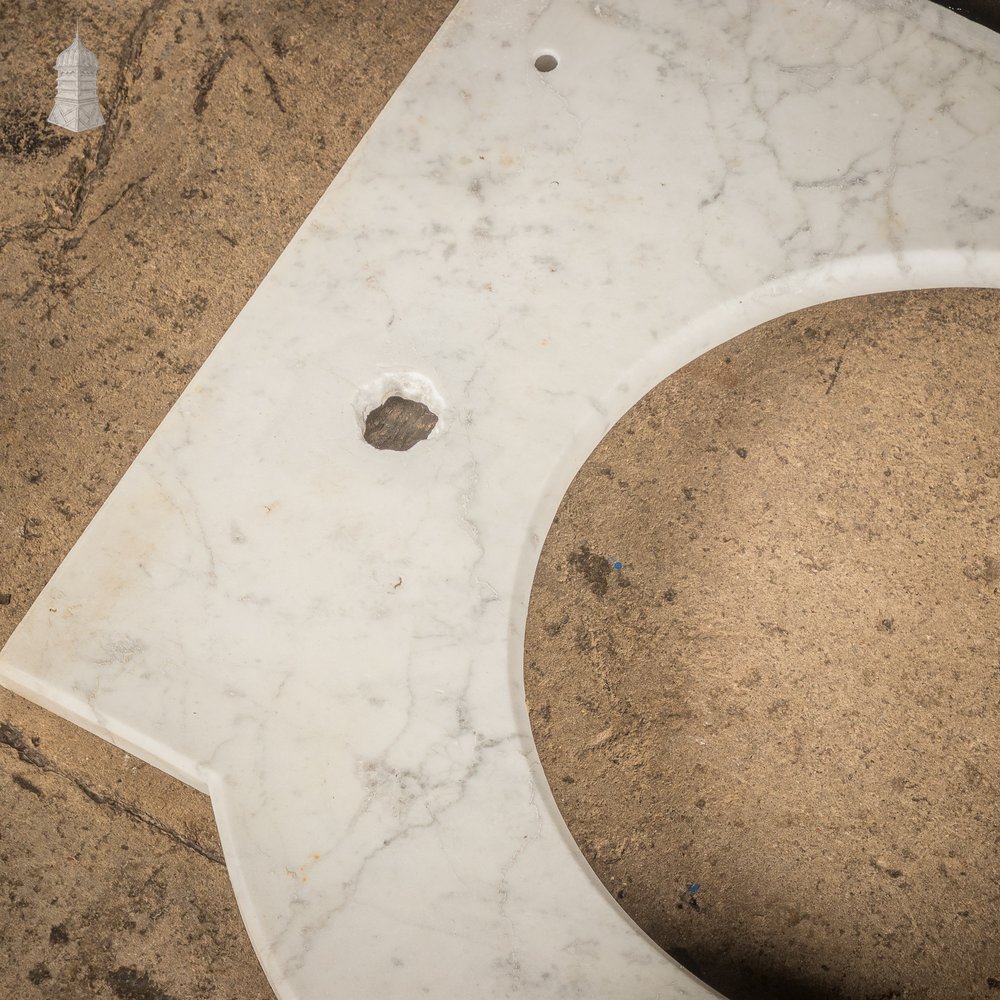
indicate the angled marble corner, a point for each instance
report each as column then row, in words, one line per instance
column 327, row 637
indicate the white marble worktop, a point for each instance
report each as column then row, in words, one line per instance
column 327, row 637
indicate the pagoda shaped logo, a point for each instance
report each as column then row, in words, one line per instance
column 76, row 106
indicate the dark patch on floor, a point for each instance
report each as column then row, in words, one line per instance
column 25, row 134
column 28, row 786
column 594, row 568
column 131, row 984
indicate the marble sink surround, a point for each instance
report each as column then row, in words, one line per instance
column 327, row 637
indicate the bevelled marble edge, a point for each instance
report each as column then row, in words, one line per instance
column 937, row 17
column 493, row 754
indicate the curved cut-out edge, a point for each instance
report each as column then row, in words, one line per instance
column 858, row 276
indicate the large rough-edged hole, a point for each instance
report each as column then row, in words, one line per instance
column 398, row 424
column 762, row 656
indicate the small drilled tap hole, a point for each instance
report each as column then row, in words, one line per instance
column 398, row 424
column 546, row 62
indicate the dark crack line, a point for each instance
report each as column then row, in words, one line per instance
column 272, row 84
column 12, row 737
column 836, row 367
column 131, row 53
column 28, row 786
column 836, row 372
column 143, row 817
column 207, row 79
column 111, row 204
column 208, row 76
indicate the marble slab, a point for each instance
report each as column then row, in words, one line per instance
column 328, row 637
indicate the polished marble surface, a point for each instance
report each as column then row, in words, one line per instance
column 327, row 637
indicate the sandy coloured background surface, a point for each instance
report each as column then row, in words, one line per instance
column 125, row 253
